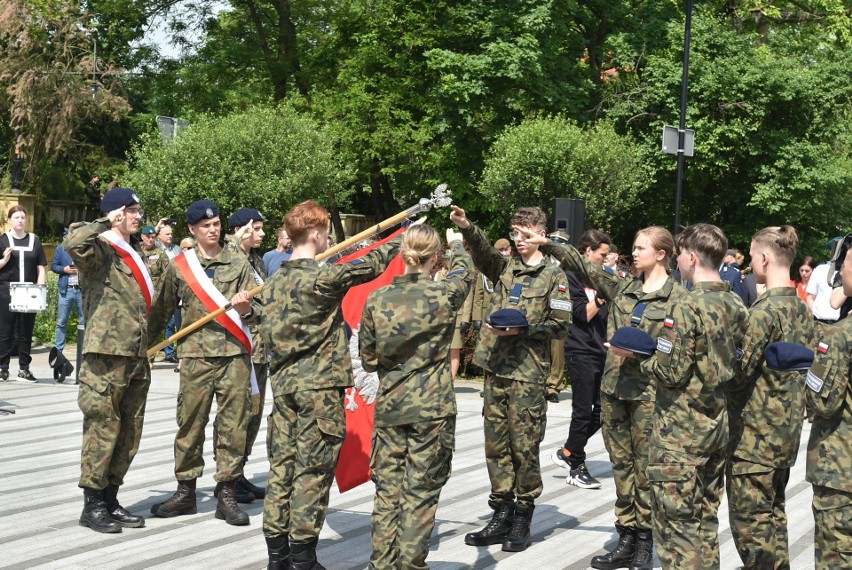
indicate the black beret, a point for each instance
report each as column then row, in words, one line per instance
column 788, row 356
column 118, row 197
column 201, row 210
column 634, row 340
column 243, row 216
column 505, row 318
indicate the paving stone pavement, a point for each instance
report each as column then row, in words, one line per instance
column 40, row 501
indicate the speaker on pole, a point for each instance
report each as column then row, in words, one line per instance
column 569, row 215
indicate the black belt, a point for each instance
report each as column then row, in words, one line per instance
column 825, row 321
column 73, row 286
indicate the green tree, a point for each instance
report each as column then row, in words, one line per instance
column 269, row 158
column 543, row 159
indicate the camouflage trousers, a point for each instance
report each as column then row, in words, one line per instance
column 305, row 434
column 557, row 366
column 253, row 427
column 756, row 510
column 833, row 528
column 201, row 379
column 112, row 395
column 515, row 420
column 410, row 464
column 627, row 432
column 686, row 491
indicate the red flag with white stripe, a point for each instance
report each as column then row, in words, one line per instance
column 353, row 467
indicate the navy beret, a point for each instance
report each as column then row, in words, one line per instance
column 243, row 216
column 118, row 197
column 634, row 340
column 788, row 356
column 201, row 210
column 505, row 318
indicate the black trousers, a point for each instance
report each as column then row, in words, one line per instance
column 586, row 372
column 9, row 321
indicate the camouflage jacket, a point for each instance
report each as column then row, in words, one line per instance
column 258, row 355
column 113, row 303
column 302, row 324
column 157, row 261
column 623, row 378
column 405, row 337
column 540, row 291
column 766, row 406
column 696, row 354
column 231, row 274
column 829, row 395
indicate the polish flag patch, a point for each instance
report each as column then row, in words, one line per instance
column 669, row 323
column 562, row 288
column 822, row 348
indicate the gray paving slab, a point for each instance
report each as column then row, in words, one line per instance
column 40, row 501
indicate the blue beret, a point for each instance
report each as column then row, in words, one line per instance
column 118, row 197
column 243, row 216
column 788, row 356
column 634, row 340
column 201, row 210
column 505, row 318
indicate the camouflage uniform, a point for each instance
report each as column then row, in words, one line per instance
column 215, row 365
column 114, row 375
column 516, row 367
column 259, row 358
column 829, row 396
column 404, row 336
column 627, row 393
column 310, row 369
column 157, row 261
column 695, row 357
column 765, row 409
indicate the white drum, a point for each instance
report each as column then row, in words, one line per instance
column 27, row 297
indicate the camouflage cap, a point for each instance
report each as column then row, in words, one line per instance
column 560, row 236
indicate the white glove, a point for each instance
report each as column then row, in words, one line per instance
column 366, row 383
column 350, row 400
column 453, row 235
column 369, row 388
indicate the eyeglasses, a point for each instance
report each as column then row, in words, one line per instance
column 134, row 212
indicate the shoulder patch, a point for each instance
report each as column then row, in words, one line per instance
column 357, row 261
column 822, row 347
column 608, row 270
column 814, row 382
column 664, row 345
column 740, row 354
column 669, row 323
column 560, row 305
column 456, row 272
column 562, row 288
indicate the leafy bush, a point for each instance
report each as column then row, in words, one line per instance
column 268, row 158
column 45, row 325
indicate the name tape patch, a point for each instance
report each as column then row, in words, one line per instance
column 664, row 345
column 814, row 382
column 560, row 305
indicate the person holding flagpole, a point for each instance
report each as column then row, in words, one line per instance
column 114, row 375
column 405, row 336
column 216, row 362
column 310, row 369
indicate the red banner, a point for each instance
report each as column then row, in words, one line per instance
column 353, row 467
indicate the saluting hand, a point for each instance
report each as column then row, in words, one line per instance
column 244, row 232
column 532, row 237
column 116, row 216
column 458, row 217
column 453, row 235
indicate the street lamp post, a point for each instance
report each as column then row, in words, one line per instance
column 682, row 128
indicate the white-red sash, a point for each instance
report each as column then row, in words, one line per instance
column 135, row 263
column 212, row 299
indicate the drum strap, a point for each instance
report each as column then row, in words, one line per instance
column 21, row 249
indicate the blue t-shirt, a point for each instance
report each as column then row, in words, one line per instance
column 272, row 260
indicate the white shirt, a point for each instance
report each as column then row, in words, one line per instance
column 818, row 286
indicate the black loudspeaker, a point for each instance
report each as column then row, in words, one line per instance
column 569, row 215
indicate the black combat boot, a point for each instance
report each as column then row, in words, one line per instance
column 622, row 555
column 227, row 509
column 242, row 495
column 181, row 503
column 518, row 538
column 279, row 552
column 644, row 557
column 303, row 556
column 121, row 515
column 95, row 515
column 246, row 486
column 496, row 529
